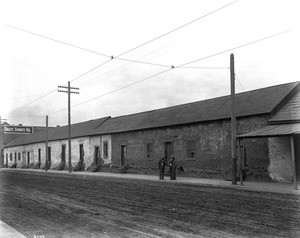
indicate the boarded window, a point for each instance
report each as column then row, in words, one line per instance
column 190, row 146
column 105, row 149
column 150, row 150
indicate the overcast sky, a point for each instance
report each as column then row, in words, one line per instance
column 32, row 66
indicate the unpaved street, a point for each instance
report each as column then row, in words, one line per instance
column 69, row 205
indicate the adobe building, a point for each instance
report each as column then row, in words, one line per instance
column 31, row 149
column 5, row 138
column 198, row 135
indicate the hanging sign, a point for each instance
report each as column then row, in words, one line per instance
column 18, row 129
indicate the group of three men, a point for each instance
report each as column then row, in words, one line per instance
column 172, row 168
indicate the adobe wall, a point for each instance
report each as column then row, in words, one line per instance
column 281, row 165
column 88, row 143
column 212, row 148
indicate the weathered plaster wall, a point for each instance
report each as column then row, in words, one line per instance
column 88, row 143
column 281, row 165
column 212, row 148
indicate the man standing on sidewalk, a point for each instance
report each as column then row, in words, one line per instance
column 161, row 166
column 173, row 167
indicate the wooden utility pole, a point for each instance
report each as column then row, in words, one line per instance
column 2, row 142
column 46, row 144
column 69, row 116
column 233, row 122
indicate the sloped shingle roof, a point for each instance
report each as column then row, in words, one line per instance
column 261, row 101
column 254, row 102
column 290, row 111
column 59, row 133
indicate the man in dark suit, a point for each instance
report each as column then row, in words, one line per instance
column 173, row 167
column 161, row 166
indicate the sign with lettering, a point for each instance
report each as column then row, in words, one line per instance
column 18, row 129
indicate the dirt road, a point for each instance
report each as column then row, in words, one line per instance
column 68, row 205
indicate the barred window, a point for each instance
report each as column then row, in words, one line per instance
column 150, row 150
column 190, row 148
column 105, row 149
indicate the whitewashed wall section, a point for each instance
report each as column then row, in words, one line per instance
column 89, row 144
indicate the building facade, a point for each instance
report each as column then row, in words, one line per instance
column 198, row 135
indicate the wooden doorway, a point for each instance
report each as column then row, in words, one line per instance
column 81, row 153
column 28, row 158
column 49, row 154
column 63, row 153
column 96, row 155
column 123, row 154
column 40, row 155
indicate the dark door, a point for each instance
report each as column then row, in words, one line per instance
column 81, row 153
column 40, row 152
column 168, row 152
column 28, row 158
column 49, row 154
column 297, row 156
column 96, row 155
column 63, row 153
column 123, row 154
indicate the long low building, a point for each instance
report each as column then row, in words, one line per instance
column 198, row 134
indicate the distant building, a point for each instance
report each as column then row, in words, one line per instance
column 197, row 134
column 5, row 138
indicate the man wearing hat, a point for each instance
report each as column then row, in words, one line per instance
column 161, row 166
column 173, row 167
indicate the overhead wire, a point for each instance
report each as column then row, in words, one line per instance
column 112, row 57
column 240, row 83
column 88, row 50
column 177, row 28
column 116, row 90
column 178, row 67
column 234, row 48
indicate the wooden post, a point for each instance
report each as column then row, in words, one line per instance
column 233, row 122
column 294, row 161
column 240, row 161
column 46, row 143
column 68, row 88
column 69, row 126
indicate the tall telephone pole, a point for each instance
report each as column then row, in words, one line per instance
column 47, row 152
column 233, row 120
column 69, row 115
column 2, row 142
